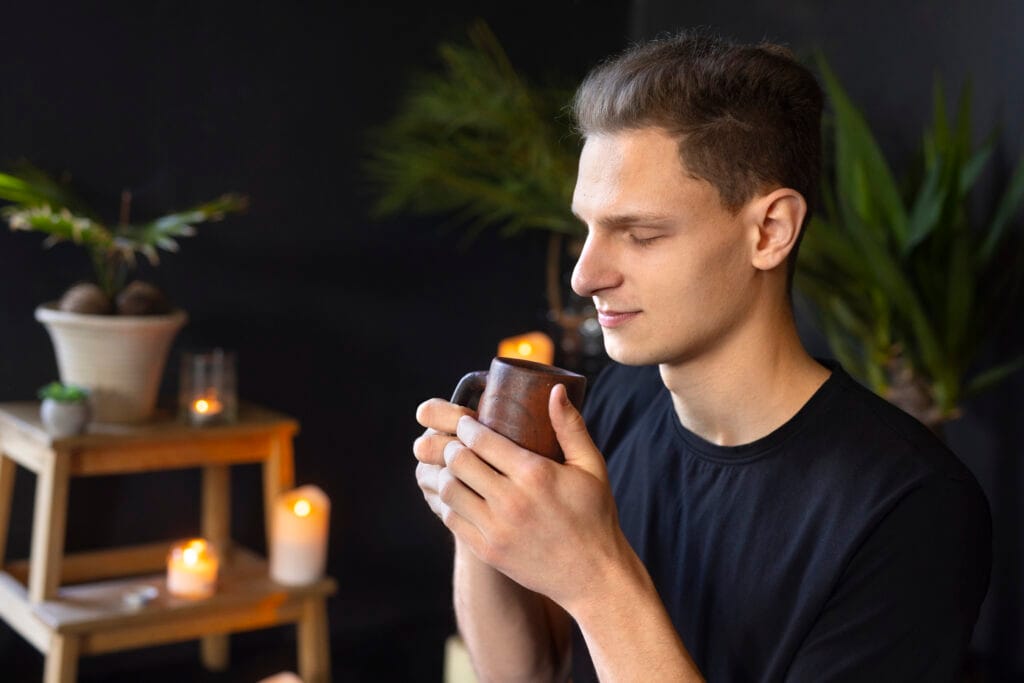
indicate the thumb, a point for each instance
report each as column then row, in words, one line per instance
column 572, row 434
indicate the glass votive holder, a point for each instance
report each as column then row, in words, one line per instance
column 206, row 391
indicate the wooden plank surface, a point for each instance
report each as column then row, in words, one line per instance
column 107, row 563
column 238, row 618
column 133, row 456
column 101, row 606
column 24, row 417
column 17, row 611
column 22, row 446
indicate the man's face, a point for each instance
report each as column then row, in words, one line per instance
column 668, row 267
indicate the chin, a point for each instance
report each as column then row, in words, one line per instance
column 626, row 354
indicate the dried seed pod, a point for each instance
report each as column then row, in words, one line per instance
column 142, row 298
column 86, row 298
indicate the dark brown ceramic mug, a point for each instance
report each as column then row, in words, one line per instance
column 512, row 399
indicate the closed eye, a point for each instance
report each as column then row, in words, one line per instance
column 642, row 239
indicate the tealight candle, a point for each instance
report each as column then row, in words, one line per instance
column 205, row 409
column 206, row 390
column 535, row 346
column 192, row 569
column 298, row 538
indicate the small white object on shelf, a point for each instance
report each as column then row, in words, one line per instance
column 137, row 598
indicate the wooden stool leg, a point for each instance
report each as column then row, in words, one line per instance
column 8, row 468
column 278, row 476
column 214, row 652
column 216, row 524
column 314, row 642
column 48, row 526
column 61, row 660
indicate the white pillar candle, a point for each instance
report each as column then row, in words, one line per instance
column 192, row 569
column 298, row 540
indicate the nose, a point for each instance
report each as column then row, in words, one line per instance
column 594, row 270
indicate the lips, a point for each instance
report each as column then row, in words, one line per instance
column 609, row 319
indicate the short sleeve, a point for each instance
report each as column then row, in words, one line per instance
column 905, row 606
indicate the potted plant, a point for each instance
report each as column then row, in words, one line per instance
column 479, row 143
column 65, row 409
column 111, row 336
column 907, row 290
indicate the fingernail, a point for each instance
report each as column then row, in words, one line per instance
column 564, row 396
column 449, row 451
column 465, row 423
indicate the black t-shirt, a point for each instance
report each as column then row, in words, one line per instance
column 848, row 545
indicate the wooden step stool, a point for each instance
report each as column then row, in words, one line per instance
column 65, row 621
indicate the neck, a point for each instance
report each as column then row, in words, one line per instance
column 749, row 385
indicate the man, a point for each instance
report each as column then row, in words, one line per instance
column 731, row 508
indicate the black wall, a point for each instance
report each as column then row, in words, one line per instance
column 887, row 54
column 345, row 322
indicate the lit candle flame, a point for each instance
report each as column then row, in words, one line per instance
column 532, row 346
column 190, row 555
column 302, row 508
column 202, row 406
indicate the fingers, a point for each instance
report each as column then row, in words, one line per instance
column 571, row 431
column 466, row 532
column 429, row 447
column 471, row 470
column 426, row 478
column 504, row 455
column 440, row 415
column 459, row 497
column 566, row 420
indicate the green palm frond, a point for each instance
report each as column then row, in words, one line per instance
column 161, row 233
column 478, row 143
column 39, row 203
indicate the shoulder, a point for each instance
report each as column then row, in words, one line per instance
column 878, row 471
column 885, row 437
column 910, row 531
column 857, row 459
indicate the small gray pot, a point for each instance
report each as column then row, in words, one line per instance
column 62, row 419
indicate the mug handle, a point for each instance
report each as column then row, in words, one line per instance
column 469, row 389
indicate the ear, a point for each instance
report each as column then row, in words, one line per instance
column 776, row 218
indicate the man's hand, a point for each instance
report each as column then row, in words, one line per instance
column 440, row 418
column 553, row 529
column 550, row 527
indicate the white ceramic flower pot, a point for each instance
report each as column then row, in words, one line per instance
column 62, row 418
column 119, row 359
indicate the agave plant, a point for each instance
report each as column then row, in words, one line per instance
column 907, row 290
column 42, row 204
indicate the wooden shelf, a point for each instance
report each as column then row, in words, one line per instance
column 72, row 605
column 246, row 599
column 159, row 444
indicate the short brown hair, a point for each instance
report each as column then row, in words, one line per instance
column 748, row 116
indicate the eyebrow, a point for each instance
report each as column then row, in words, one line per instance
column 621, row 220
